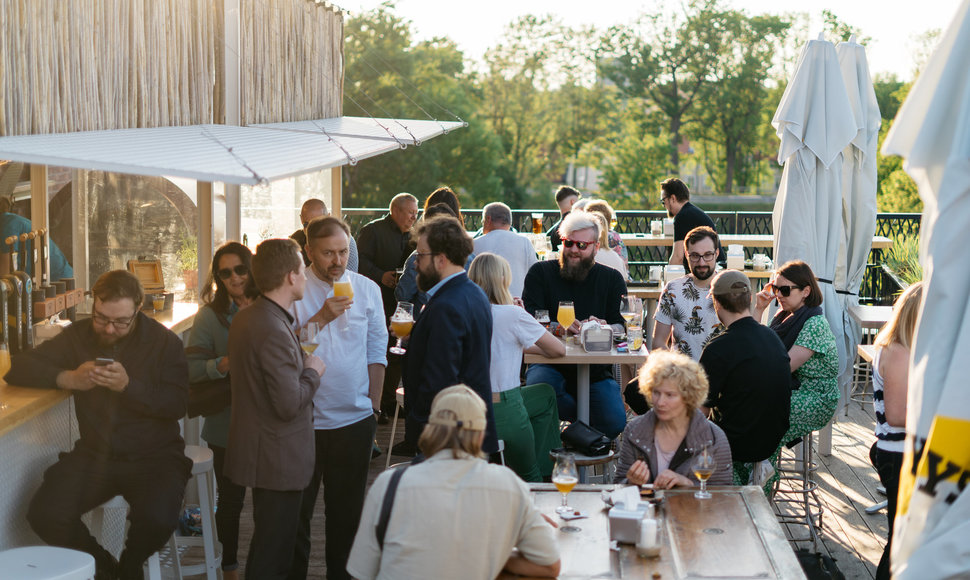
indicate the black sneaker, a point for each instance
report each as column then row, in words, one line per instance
column 404, row 449
column 382, row 418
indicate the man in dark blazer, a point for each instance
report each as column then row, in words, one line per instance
column 451, row 340
column 271, row 432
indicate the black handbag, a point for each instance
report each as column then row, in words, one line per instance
column 209, row 397
column 583, row 439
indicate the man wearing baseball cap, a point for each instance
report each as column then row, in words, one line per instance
column 750, row 378
column 453, row 515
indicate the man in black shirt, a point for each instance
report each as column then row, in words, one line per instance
column 595, row 291
column 130, row 382
column 675, row 197
column 750, row 377
column 384, row 244
column 566, row 197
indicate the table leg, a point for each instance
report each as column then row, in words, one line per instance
column 582, row 393
column 582, row 405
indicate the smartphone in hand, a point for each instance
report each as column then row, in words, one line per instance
column 103, row 362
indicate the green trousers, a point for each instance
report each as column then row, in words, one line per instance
column 527, row 420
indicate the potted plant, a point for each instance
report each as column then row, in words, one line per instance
column 901, row 261
column 187, row 255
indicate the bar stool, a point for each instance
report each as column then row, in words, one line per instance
column 46, row 563
column 155, row 562
column 202, row 469
column 399, row 395
column 800, row 495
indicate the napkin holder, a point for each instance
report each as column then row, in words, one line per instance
column 625, row 523
column 596, row 337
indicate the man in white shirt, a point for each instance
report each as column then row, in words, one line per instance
column 352, row 341
column 454, row 515
column 499, row 239
column 685, row 317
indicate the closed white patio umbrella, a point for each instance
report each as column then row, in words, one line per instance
column 932, row 131
column 815, row 123
column 858, row 198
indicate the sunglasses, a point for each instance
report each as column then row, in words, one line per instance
column 785, row 290
column 581, row 245
column 226, row 273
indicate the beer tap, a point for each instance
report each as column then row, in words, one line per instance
column 16, row 295
column 26, row 308
column 6, row 288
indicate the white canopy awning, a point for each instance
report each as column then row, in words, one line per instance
column 226, row 153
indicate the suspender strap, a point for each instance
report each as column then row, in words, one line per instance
column 388, row 504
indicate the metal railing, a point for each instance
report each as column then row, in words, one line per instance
column 877, row 286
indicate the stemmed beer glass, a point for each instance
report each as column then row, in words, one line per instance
column 401, row 323
column 704, row 466
column 565, row 477
column 308, row 337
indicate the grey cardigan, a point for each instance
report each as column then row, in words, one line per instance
column 638, row 443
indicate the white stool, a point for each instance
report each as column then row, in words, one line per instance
column 154, row 563
column 399, row 395
column 202, row 468
column 46, row 563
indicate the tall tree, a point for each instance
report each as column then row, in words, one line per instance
column 735, row 96
column 387, row 75
column 665, row 60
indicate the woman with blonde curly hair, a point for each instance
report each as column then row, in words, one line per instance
column 658, row 446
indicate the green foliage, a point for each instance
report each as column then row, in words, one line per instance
column 388, row 76
column 903, row 258
column 888, row 95
column 899, row 194
column 841, row 31
column 187, row 253
column 728, row 124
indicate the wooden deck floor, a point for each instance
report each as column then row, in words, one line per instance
column 847, row 485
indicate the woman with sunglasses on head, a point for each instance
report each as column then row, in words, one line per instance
column 890, row 380
column 805, row 332
column 229, row 287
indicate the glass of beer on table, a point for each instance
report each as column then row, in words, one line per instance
column 401, row 323
column 703, row 467
column 565, row 477
column 566, row 315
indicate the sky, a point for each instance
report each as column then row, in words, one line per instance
column 891, row 24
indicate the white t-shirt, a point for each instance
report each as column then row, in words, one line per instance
column 610, row 258
column 513, row 329
column 515, row 248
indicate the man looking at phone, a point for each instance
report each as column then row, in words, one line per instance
column 352, row 341
column 128, row 405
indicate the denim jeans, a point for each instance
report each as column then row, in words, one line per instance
column 606, row 412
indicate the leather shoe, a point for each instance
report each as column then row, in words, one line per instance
column 404, row 449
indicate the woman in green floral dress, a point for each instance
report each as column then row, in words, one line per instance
column 811, row 345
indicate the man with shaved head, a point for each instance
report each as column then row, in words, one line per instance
column 314, row 208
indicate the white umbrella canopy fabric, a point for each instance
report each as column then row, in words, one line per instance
column 932, row 131
column 815, row 123
column 858, row 196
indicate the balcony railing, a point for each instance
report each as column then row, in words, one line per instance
column 876, row 287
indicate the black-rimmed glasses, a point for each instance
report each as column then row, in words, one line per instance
column 120, row 324
column 706, row 256
column 226, row 273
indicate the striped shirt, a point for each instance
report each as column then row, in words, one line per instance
column 889, row 438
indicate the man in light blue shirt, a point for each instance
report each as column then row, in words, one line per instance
column 352, row 341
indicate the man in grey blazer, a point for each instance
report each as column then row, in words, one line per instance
column 271, row 432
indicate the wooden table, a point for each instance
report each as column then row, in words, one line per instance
column 747, row 240
column 732, row 535
column 179, row 318
column 576, row 355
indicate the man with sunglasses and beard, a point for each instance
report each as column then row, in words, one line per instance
column 595, row 291
column 130, row 382
column 685, row 317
